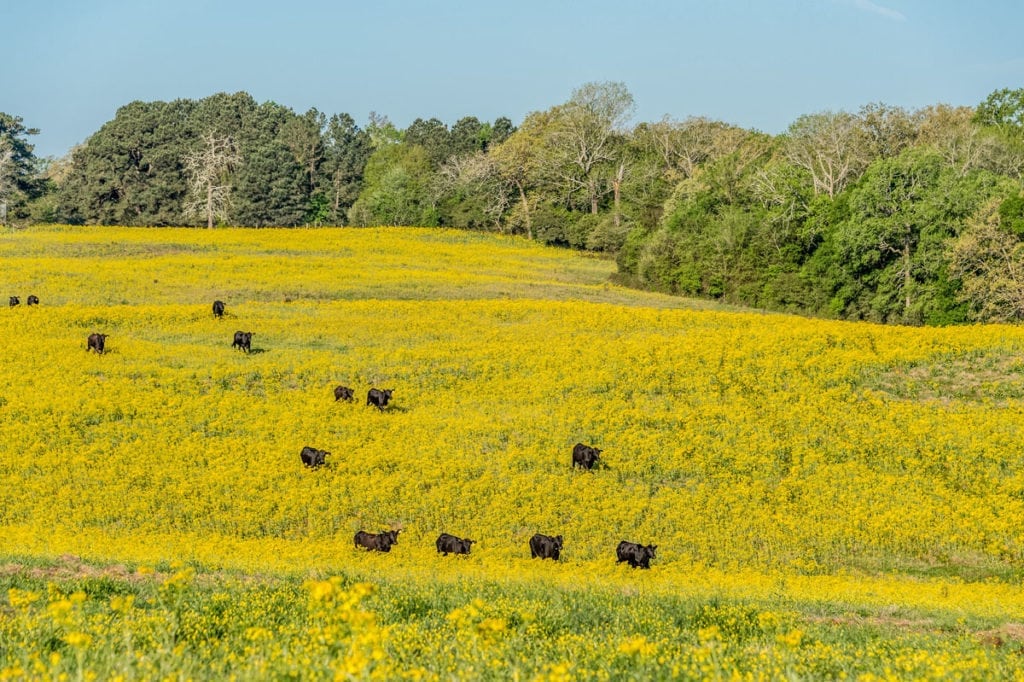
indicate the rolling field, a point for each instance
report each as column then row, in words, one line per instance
column 828, row 499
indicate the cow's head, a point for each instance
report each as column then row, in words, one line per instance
column 649, row 550
column 558, row 542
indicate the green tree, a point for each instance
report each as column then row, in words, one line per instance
column 893, row 246
column 989, row 259
column 19, row 181
column 520, row 162
column 347, row 148
column 271, row 187
column 469, row 136
column 501, row 130
column 433, row 136
column 398, row 180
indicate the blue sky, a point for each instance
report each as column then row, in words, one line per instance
column 71, row 63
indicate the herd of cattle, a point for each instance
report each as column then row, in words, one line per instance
column 541, row 546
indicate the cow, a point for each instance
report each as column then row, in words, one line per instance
column 344, row 393
column 545, row 546
column 380, row 542
column 636, row 555
column 14, row 300
column 379, row 397
column 584, row 456
column 218, row 308
column 96, row 343
column 312, row 457
column 243, row 341
column 33, row 300
column 449, row 543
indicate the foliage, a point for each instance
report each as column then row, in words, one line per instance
column 19, row 183
column 803, row 221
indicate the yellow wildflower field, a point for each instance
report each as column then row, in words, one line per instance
column 770, row 458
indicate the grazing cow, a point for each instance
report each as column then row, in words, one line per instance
column 379, row 397
column 14, row 301
column 380, row 542
column 312, row 457
column 243, row 341
column 545, row 546
column 96, row 342
column 33, row 300
column 218, row 308
column 636, row 555
column 584, row 456
column 449, row 543
column 344, row 393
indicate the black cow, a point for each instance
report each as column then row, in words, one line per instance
column 312, row 457
column 449, row 543
column 380, row 542
column 379, row 397
column 243, row 341
column 14, row 301
column 584, row 456
column 636, row 555
column 33, row 300
column 96, row 342
column 545, row 546
column 344, row 393
column 218, row 308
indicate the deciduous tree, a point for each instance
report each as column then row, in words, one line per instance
column 208, row 169
column 830, row 146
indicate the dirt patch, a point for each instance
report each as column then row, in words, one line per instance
column 995, row 375
column 914, row 624
column 1008, row 634
column 70, row 567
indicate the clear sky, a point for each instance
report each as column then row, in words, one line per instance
column 69, row 64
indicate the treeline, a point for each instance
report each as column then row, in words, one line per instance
column 882, row 214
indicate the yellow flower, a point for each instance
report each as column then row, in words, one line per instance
column 79, row 640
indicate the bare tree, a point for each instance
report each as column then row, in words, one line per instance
column 7, row 176
column 586, row 136
column 830, row 146
column 963, row 143
column 887, row 130
column 478, row 174
column 682, row 146
column 208, row 168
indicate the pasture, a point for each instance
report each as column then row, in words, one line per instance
column 828, row 499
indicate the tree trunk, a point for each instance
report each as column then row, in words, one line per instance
column 906, row 277
column 617, row 187
column 526, row 209
column 593, row 197
column 209, row 206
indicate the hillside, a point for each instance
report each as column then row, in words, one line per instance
column 793, row 466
